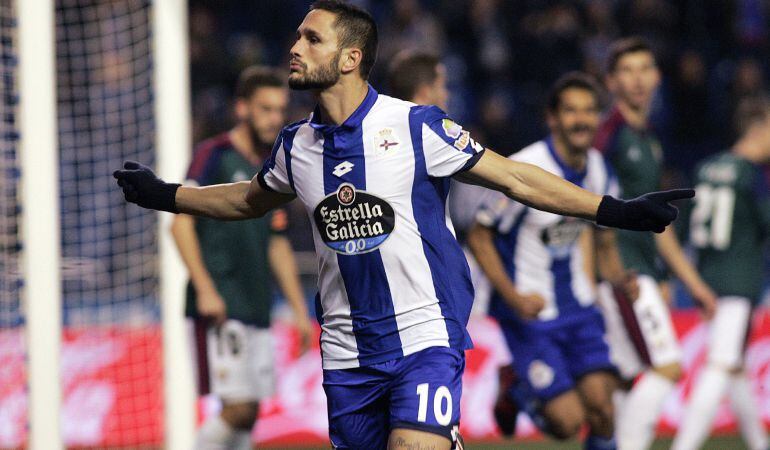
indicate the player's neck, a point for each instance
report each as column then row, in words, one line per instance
column 635, row 117
column 244, row 143
column 341, row 100
column 749, row 150
column 572, row 157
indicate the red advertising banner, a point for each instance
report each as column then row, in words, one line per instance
column 112, row 384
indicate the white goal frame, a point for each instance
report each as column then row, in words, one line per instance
column 41, row 256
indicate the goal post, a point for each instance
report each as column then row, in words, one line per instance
column 40, row 218
column 173, row 144
column 92, row 331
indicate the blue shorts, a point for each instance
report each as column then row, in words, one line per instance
column 420, row 391
column 550, row 357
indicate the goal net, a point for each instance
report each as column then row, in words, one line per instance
column 12, row 353
column 111, row 344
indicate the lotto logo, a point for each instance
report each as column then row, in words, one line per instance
column 343, row 168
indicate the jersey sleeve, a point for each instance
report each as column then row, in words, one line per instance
column 498, row 212
column 274, row 175
column 203, row 167
column 448, row 149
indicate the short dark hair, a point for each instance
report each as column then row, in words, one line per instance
column 749, row 111
column 355, row 28
column 573, row 80
column 625, row 46
column 409, row 70
column 255, row 77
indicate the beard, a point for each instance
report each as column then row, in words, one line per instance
column 261, row 146
column 321, row 78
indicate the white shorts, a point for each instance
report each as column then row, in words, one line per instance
column 237, row 362
column 728, row 332
column 642, row 334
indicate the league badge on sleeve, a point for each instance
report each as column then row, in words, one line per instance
column 451, row 128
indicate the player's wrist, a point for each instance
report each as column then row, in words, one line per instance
column 163, row 198
column 610, row 212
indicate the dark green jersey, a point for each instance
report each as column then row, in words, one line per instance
column 635, row 156
column 235, row 253
column 729, row 224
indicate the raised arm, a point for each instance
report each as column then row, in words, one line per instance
column 532, row 186
column 232, row 201
column 539, row 189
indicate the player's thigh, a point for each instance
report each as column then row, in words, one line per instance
column 728, row 332
column 539, row 361
column 623, row 352
column 358, row 407
column 565, row 414
column 657, row 328
column 231, row 362
column 426, row 393
column 261, row 361
column 409, row 439
column 583, row 345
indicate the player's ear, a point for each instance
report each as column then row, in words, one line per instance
column 350, row 60
column 609, row 81
column 550, row 119
column 241, row 109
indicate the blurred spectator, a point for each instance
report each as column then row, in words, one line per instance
column 410, row 27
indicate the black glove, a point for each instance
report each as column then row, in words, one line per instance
column 141, row 186
column 650, row 212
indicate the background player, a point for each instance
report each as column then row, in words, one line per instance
column 635, row 155
column 360, row 164
column 543, row 295
column 230, row 290
column 420, row 78
column 729, row 227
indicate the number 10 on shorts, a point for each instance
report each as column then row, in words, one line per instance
column 443, row 416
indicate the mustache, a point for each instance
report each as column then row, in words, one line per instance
column 580, row 128
column 297, row 61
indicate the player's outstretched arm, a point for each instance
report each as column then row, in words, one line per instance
column 233, row 201
column 540, row 189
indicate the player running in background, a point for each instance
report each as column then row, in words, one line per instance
column 729, row 227
column 373, row 173
column 544, row 297
column 230, row 290
column 635, row 155
column 421, row 78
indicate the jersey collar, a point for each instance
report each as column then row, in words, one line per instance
column 570, row 174
column 353, row 121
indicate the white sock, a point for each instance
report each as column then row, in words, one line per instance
column 241, row 441
column 214, row 434
column 635, row 428
column 746, row 411
column 701, row 409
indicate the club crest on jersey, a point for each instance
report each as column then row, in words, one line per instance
column 540, row 374
column 386, row 142
column 353, row 222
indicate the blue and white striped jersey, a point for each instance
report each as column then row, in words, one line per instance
column 392, row 278
column 539, row 249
